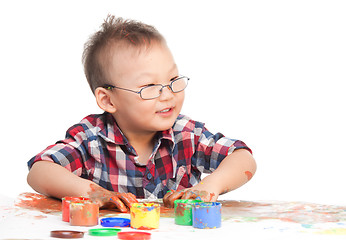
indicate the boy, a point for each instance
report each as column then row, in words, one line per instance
column 140, row 147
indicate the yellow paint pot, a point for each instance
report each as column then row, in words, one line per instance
column 145, row 216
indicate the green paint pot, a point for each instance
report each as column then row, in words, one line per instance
column 183, row 211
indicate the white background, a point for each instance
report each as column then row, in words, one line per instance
column 270, row 73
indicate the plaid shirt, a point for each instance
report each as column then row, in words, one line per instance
column 96, row 149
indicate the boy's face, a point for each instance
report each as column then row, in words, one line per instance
column 133, row 69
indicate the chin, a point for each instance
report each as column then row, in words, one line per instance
column 164, row 126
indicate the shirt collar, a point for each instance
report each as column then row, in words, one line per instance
column 111, row 132
column 167, row 134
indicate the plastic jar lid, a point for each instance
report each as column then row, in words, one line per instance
column 115, row 222
column 104, row 231
column 66, row 234
column 134, row 235
column 187, row 201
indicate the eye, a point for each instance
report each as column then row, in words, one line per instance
column 146, row 84
column 149, row 85
column 174, row 78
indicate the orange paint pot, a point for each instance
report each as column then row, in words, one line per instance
column 66, row 201
column 84, row 213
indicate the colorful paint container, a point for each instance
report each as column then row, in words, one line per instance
column 66, row 234
column 115, row 222
column 104, row 231
column 206, row 215
column 66, row 206
column 145, row 216
column 183, row 211
column 84, row 213
column 134, row 235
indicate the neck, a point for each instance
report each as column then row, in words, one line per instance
column 144, row 139
column 143, row 144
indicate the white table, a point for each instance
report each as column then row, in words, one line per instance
column 240, row 220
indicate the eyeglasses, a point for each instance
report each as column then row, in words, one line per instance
column 154, row 90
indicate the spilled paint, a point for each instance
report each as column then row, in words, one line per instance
column 166, row 212
column 234, row 211
column 38, row 202
column 333, row 231
column 248, row 175
column 295, row 212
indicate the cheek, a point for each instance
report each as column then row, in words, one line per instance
column 143, row 109
column 132, row 107
column 180, row 99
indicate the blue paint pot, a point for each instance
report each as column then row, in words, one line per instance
column 206, row 215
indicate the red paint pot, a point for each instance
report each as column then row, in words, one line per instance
column 66, row 206
column 134, row 235
column 84, row 213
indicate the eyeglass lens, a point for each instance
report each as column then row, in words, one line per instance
column 151, row 92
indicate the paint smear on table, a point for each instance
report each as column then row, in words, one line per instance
column 333, row 231
column 234, row 211
column 296, row 212
column 44, row 204
column 38, row 202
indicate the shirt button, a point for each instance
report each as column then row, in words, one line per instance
column 149, row 176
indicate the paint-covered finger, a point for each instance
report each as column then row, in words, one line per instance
column 118, row 203
column 213, row 197
column 132, row 198
column 176, row 195
column 98, row 202
column 127, row 199
column 189, row 195
column 166, row 198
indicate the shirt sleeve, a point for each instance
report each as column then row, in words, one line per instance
column 69, row 153
column 211, row 149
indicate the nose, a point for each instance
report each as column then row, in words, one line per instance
column 166, row 94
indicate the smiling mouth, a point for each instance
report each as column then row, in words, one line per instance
column 165, row 110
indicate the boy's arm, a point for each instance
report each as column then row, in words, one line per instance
column 234, row 171
column 54, row 180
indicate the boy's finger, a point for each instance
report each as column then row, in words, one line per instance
column 166, row 198
column 128, row 199
column 118, row 203
column 132, row 198
column 189, row 195
column 174, row 196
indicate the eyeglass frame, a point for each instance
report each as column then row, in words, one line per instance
column 169, row 86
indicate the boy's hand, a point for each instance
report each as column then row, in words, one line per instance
column 108, row 199
column 121, row 201
column 190, row 193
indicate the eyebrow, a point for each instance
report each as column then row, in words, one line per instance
column 173, row 68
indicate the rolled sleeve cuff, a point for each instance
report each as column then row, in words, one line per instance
column 238, row 145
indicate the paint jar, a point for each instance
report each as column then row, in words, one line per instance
column 145, row 216
column 206, row 215
column 84, row 213
column 66, row 206
column 183, row 211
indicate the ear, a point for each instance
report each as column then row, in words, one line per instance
column 104, row 100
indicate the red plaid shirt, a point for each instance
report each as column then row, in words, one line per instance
column 96, row 149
